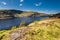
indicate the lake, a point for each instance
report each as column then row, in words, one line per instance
column 7, row 24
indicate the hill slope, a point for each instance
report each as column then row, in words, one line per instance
column 17, row 13
column 55, row 15
column 40, row 30
column 7, row 14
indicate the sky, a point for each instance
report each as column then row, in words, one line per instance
column 43, row 6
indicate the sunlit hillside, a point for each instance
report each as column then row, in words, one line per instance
column 48, row 29
column 6, row 14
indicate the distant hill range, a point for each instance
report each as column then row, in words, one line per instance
column 55, row 15
column 7, row 14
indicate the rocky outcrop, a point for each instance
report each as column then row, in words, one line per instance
column 18, row 35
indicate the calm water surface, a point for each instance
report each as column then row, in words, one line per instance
column 7, row 24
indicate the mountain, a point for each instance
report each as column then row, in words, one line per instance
column 57, row 15
column 31, row 14
column 6, row 14
column 10, row 11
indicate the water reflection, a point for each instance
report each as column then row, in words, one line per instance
column 7, row 24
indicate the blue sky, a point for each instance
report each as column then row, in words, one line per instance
column 44, row 6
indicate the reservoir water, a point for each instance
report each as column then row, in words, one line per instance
column 7, row 24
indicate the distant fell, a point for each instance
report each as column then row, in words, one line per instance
column 7, row 14
column 55, row 15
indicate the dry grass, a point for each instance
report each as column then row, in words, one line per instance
column 42, row 31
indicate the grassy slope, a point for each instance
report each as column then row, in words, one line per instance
column 43, row 30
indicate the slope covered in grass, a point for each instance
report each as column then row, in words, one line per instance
column 39, row 30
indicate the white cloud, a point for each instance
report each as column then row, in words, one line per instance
column 21, row 4
column 38, row 4
column 21, row 0
column 4, row 3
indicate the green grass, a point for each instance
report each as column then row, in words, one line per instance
column 5, row 33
